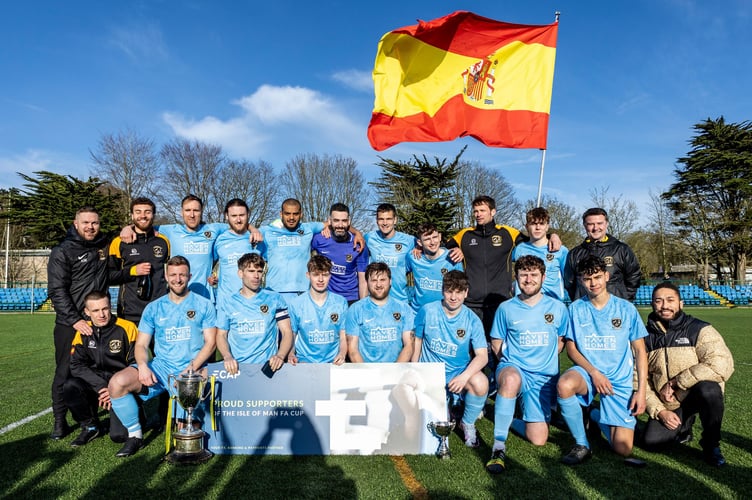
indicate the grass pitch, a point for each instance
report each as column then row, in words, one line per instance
column 36, row 467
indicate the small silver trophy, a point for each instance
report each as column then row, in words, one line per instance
column 442, row 431
column 189, row 442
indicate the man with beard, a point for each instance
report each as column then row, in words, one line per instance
column 379, row 328
column 230, row 246
column 76, row 267
column 348, row 264
column 430, row 267
column 94, row 359
column 527, row 336
column 139, row 267
column 183, row 326
column 688, row 366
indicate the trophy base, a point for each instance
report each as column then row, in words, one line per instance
column 444, row 456
column 178, row 458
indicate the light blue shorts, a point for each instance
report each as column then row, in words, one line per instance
column 614, row 408
column 537, row 393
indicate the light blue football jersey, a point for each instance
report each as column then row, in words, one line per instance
column 393, row 252
column 379, row 328
column 428, row 276
column 288, row 253
column 553, row 285
column 317, row 328
column 228, row 248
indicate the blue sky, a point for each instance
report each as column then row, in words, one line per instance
column 270, row 80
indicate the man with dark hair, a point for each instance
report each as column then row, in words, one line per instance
column 688, row 366
column 527, row 336
column 446, row 331
column 348, row 263
column 318, row 318
column 230, row 246
column 139, row 267
column 537, row 226
column 183, row 326
column 379, row 328
column 430, row 267
column 253, row 325
column 621, row 263
column 76, row 267
column 605, row 342
column 392, row 247
column 94, row 359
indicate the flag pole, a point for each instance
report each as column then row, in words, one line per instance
column 540, row 178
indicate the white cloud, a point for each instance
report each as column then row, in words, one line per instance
column 271, row 119
column 143, row 43
column 355, row 79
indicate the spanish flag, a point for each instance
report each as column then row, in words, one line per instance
column 462, row 75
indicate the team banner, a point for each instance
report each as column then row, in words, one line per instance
column 322, row 409
column 461, row 75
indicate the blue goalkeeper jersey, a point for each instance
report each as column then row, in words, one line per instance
column 346, row 264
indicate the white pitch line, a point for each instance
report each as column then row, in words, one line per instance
column 12, row 426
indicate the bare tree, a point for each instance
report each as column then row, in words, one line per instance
column 127, row 161
column 622, row 214
column 319, row 181
column 661, row 218
column 475, row 180
column 189, row 167
column 257, row 184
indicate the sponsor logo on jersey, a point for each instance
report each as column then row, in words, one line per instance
column 616, row 322
column 158, row 251
column 334, row 317
column 549, row 318
column 496, row 240
column 397, row 316
column 461, row 333
column 191, row 314
column 116, row 346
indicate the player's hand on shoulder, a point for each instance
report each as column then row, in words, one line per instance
column 456, row 255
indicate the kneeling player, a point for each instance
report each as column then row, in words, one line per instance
column 446, row 331
column 606, row 338
column 183, row 325
column 317, row 318
column 249, row 321
column 527, row 336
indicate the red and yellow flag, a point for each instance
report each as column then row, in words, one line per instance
column 460, row 75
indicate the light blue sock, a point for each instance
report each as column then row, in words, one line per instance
column 595, row 416
column 520, row 427
column 126, row 409
column 571, row 411
column 473, row 408
column 503, row 416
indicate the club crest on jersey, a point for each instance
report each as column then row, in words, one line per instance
column 334, row 317
column 301, row 232
column 609, row 260
column 264, row 308
column 398, row 247
column 116, row 346
column 191, row 314
column 549, row 257
column 348, row 258
column 101, row 254
column 443, row 271
column 549, row 318
column 616, row 322
column 461, row 333
column 496, row 240
column 207, row 235
column 397, row 316
column 158, row 251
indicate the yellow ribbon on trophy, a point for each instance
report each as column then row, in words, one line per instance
column 211, row 403
column 168, row 426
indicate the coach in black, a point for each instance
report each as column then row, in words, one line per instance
column 77, row 267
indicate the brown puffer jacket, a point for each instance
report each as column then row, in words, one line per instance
column 687, row 349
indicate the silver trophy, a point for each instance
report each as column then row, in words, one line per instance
column 442, row 431
column 189, row 442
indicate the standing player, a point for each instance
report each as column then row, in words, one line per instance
column 230, row 246
column 139, row 267
column 348, row 263
column 429, row 269
column 446, row 331
column 537, row 225
column 77, row 267
column 391, row 247
column 183, row 325
column 379, row 328
column 527, row 336
column 94, row 359
column 317, row 319
column 251, row 321
column 605, row 332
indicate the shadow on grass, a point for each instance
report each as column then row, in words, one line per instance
column 24, row 468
